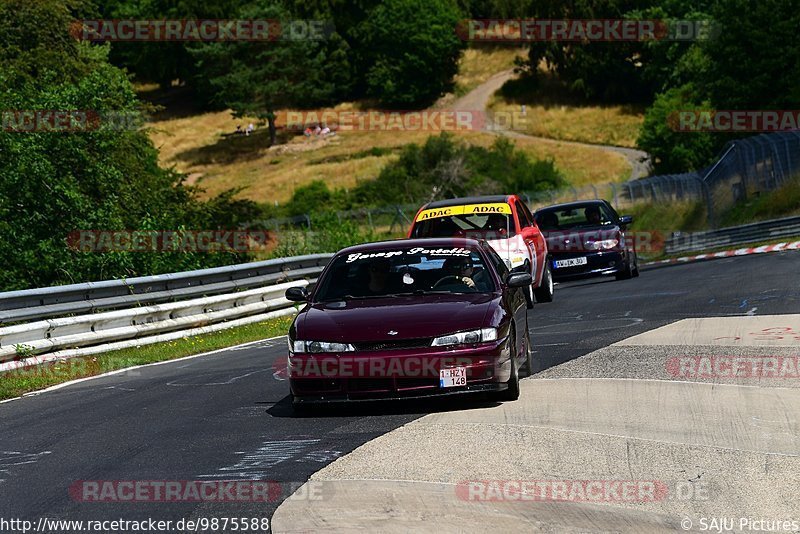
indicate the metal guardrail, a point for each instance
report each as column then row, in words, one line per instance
column 145, row 310
column 40, row 337
column 91, row 297
column 736, row 235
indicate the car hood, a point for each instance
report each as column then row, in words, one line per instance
column 412, row 317
column 574, row 240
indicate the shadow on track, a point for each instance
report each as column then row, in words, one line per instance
column 371, row 408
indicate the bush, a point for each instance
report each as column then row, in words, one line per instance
column 327, row 234
column 676, row 151
column 444, row 168
column 55, row 183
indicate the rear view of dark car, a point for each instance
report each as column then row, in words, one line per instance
column 588, row 238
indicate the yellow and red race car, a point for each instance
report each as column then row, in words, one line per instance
column 502, row 220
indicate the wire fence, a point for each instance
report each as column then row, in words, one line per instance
column 747, row 167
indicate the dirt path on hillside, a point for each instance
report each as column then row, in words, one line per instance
column 478, row 100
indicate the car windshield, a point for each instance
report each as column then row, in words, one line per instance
column 475, row 226
column 405, row 271
column 584, row 215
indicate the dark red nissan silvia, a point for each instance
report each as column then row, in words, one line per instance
column 410, row 318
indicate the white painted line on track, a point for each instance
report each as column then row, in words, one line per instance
column 128, row 369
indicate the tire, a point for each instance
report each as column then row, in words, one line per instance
column 512, row 393
column 626, row 274
column 636, row 268
column 527, row 369
column 544, row 293
column 300, row 409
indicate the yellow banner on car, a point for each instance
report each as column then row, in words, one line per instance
column 469, row 209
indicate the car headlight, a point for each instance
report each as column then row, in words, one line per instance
column 315, row 347
column 605, row 244
column 466, row 338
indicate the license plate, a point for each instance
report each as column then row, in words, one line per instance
column 449, row 378
column 571, row 262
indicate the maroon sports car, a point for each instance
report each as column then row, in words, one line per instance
column 410, row 318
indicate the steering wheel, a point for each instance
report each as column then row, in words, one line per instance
column 451, row 278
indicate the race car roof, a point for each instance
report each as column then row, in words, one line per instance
column 572, row 205
column 466, row 200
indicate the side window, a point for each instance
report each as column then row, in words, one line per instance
column 608, row 213
column 497, row 261
column 528, row 214
column 524, row 220
column 611, row 213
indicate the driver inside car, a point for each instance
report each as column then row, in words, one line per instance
column 465, row 272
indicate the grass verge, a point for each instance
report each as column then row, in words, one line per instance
column 782, row 202
column 551, row 112
column 21, row 381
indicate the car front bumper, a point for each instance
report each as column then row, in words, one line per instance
column 395, row 374
column 597, row 264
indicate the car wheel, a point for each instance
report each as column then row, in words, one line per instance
column 544, row 293
column 527, row 370
column 512, row 393
column 626, row 273
column 301, row 410
column 636, row 267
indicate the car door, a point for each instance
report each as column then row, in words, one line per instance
column 533, row 240
column 513, row 298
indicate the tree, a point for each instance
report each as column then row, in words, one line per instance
column 754, row 61
column 408, row 51
column 162, row 62
column 673, row 150
column 55, row 183
column 258, row 78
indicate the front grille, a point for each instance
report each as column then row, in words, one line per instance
column 400, row 344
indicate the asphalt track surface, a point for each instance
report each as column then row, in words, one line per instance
column 226, row 416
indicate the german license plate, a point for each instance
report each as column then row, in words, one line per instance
column 449, row 378
column 571, row 262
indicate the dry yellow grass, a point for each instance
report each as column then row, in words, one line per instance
column 479, row 64
column 607, row 125
column 200, row 147
column 580, row 165
column 195, row 146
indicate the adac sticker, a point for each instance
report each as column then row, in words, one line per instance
column 468, row 209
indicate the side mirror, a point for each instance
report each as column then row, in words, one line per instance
column 518, row 279
column 626, row 219
column 297, row 294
